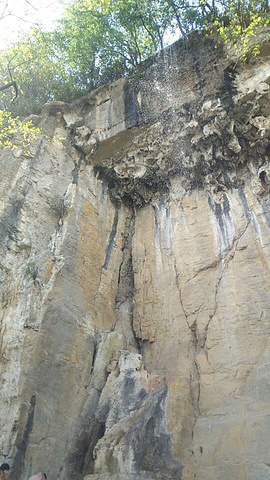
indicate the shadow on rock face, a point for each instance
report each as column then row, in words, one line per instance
column 152, row 445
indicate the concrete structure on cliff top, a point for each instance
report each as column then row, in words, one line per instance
column 135, row 278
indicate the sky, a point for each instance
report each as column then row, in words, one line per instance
column 21, row 15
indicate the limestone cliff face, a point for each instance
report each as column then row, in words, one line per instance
column 135, row 278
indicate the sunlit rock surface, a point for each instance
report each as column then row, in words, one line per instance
column 135, row 278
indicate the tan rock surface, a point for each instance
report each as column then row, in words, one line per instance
column 135, row 279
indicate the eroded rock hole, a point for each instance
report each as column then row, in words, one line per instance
column 263, row 176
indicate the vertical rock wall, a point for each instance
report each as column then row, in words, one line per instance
column 135, row 278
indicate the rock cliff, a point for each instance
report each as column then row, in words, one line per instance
column 135, row 278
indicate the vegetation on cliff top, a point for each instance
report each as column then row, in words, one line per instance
column 98, row 41
column 15, row 133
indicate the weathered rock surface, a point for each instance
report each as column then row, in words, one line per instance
column 135, row 299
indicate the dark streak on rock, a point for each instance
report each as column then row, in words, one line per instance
column 226, row 206
column 111, row 240
column 125, row 291
column 75, row 171
column 18, row 465
column 131, row 109
column 219, row 215
column 245, row 204
column 155, row 208
column 10, row 220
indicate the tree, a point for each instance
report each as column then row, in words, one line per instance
column 6, row 11
column 239, row 22
column 95, row 42
column 119, row 34
column 98, row 41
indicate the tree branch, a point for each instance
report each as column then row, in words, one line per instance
column 3, row 14
column 27, row 1
column 14, row 85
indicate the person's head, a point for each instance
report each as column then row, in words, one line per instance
column 4, row 471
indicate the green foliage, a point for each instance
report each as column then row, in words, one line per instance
column 240, row 23
column 95, row 42
column 99, row 41
column 39, row 73
column 14, row 133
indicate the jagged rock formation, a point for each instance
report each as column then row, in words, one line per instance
column 135, row 278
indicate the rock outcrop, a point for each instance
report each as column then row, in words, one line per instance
column 135, row 297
